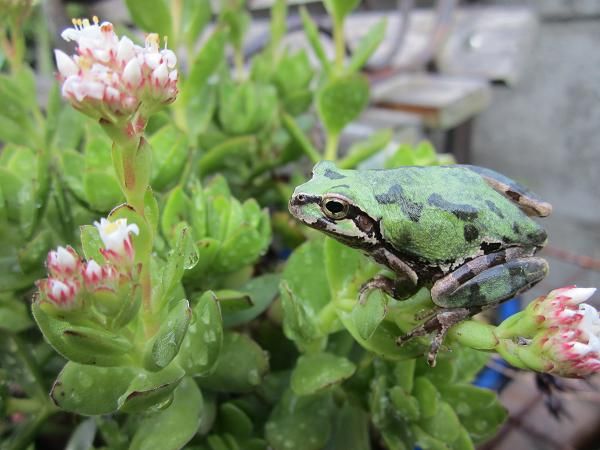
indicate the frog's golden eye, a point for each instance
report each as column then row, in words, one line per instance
column 334, row 207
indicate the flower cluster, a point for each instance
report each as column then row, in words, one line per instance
column 112, row 78
column 570, row 331
column 69, row 278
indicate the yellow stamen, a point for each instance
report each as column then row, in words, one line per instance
column 95, row 20
column 86, row 23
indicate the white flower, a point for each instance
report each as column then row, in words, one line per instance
column 116, row 239
column 113, row 78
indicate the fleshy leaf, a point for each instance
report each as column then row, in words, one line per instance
column 204, row 339
column 341, row 100
column 241, row 366
column 300, row 423
column 174, row 426
column 164, row 346
column 318, row 371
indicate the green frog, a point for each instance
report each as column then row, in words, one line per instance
column 465, row 232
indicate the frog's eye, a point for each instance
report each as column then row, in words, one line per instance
column 334, row 208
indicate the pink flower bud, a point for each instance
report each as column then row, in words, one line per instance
column 66, row 66
column 160, row 75
column 63, row 262
column 62, row 294
column 132, row 75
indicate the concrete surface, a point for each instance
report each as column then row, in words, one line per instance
column 545, row 132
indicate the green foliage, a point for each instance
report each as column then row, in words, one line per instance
column 210, row 339
column 228, row 235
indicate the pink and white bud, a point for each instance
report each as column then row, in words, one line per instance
column 132, row 74
column 125, row 50
column 160, row 75
column 112, row 78
column 116, row 237
column 62, row 294
column 570, row 333
column 63, row 262
column 66, row 66
column 561, row 306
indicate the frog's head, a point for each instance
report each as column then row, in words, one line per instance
column 330, row 202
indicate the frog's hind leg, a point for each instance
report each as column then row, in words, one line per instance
column 476, row 285
column 530, row 203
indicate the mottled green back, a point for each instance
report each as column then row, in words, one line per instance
column 441, row 213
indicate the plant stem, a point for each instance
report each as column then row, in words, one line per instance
column 292, row 127
column 332, row 147
column 22, row 405
column 340, row 44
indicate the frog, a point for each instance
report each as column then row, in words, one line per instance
column 466, row 233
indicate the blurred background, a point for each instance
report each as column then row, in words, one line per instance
column 510, row 85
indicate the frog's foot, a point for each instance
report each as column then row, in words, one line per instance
column 440, row 323
column 399, row 289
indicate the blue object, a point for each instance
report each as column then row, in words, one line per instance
column 490, row 378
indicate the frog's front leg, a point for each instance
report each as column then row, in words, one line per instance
column 401, row 288
column 481, row 283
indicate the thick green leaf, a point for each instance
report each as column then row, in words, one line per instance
column 478, row 409
column 351, row 430
column 341, row 100
column 14, row 316
column 82, row 344
column 241, row 366
column 262, row 290
column 235, row 421
column 164, row 346
column 183, row 256
column 171, row 428
column 300, row 423
column 305, row 275
column 443, row 425
column 233, row 301
column 428, row 397
column 405, row 405
column 368, row 316
column 102, row 190
column 148, row 389
column 170, row 154
column 196, row 14
column 152, row 16
column 206, row 63
column 367, row 46
column 312, row 34
column 176, row 210
column 91, row 390
column 318, row 371
column 299, row 324
column 204, row 339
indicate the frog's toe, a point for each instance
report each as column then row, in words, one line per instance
column 440, row 323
